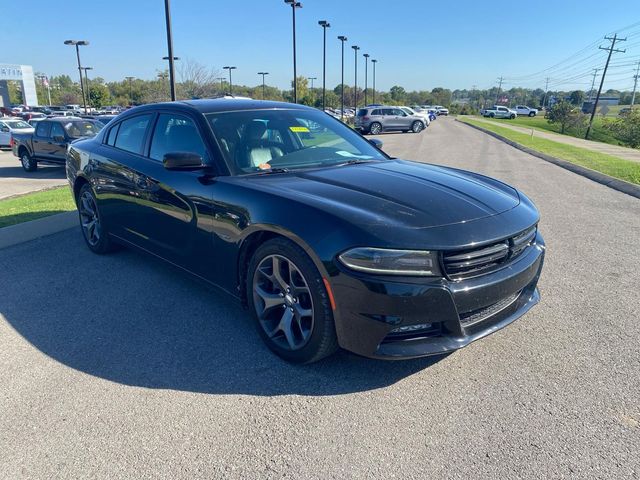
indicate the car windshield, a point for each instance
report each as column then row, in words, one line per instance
column 79, row 129
column 272, row 140
column 17, row 124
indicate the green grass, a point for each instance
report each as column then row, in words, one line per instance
column 598, row 133
column 35, row 205
column 608, row 164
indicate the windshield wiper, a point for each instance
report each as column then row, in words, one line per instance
column 272, row 170
column 353, row 161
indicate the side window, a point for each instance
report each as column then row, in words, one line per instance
column 387, row 111
column 175, row 133
column 130, row 135
column 399, row 113
column 57, row 130
column 43, row 129
column 376, row 112
column 111, row 138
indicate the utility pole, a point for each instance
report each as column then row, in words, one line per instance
column 374, row 61
column 500, row 80
column 342, row 39
column 366, row 73
column 473, row 89
column 611, row 49
column 294, row 4
column 593, row 82
column 635, row 84
column 324, row 24
column 130, row 89
column 546, row 92
column 263, row 75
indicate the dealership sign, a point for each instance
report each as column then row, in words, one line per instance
column 10, row 72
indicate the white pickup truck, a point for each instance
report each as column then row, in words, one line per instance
column 524, row 110
column 498, row 111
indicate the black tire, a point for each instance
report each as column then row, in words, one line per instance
column 320, row 340
column 532, row 114
column 29, row 164
column 417, row 126
column 492, row 115
column 375, row 128
column 86, row 202
column 512, row 116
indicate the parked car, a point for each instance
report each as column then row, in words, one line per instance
column 333, row 245
column 440, row 110
column 498, row 111
column 423, row 115
column 28, row 115
column 384, row 119
column 48, row 143
column 527, row 111
column 10, row 127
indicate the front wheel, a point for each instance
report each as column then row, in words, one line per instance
column 93, row 231
column 512, row 116
column 29, row 164
column 417, row 126
column 492, row 115
column 532, row 114
column 290, row 303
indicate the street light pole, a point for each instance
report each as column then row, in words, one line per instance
column 366, row 74
column 86, row 82
column 230, row 82
column 294, row 5
column 170, row 57
column 221, row 86
column 324, row 24
column 355, row 83
column 342, row 39
column 130, row 89
column 374, row 79
column 263, row 74
column 77, row 44
column 312, row 92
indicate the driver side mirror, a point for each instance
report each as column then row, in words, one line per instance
column 182, row 161
column 376, row 143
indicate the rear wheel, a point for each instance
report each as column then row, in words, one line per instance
column 417, row 126
column 93, row 231
column 290, row 303
column 492, row 115
column 28, row 162
column 375, row 128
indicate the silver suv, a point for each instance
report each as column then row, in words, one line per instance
column 375, row 120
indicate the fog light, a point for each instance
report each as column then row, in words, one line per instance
column 412, row 328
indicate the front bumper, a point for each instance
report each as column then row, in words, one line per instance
column 371, row 309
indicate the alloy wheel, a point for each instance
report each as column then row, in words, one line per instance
column 89, row 219
column 26, row 161
column 283, row 302
column 375, row 129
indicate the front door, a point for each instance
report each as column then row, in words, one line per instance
column 41, row 140
column 58, row 143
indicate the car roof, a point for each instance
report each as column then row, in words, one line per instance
column 223, row 105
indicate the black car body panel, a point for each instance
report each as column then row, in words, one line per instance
column 206, row 221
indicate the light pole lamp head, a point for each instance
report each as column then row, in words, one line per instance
column 263, row 73
column 342, row 38
column 374, row 60
column 76, row 42
column 366, row 55
column 324, row 24
column 355, row 47
column 229, row 68
column 293, row 3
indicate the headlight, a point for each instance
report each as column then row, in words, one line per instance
column 392, row 262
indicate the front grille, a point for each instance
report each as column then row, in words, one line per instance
column 476, row 261
column 477, row 316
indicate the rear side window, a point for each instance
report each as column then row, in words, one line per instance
column 362, row 112
column 43, row 129
column 377, row 111
column 130, row 136
column 111, row 138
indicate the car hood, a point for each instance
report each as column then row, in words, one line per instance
column 395, row 192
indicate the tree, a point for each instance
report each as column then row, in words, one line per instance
column 576, row 97
column 196, row 80
column 567, row 116
column 398, row 94
column 626, row 128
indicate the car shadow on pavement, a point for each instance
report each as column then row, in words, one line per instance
column 43, row 172
column 131, row 319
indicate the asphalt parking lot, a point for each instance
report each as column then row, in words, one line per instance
column 15, row 181
column 121, row 367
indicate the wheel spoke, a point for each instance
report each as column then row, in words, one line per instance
column 301, row 312
column 270, row 299
column 286, row 324
column 277, row 274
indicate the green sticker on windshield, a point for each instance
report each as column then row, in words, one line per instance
column 299, row 129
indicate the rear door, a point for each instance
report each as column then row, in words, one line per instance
column 5, row 134
column 41, row 140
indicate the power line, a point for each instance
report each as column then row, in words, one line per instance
column 635, row 84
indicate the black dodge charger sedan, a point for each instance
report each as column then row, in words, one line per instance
column 329, row 241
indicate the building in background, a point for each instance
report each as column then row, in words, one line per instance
column 22, row 74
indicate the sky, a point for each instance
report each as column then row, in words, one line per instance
column 419, row 44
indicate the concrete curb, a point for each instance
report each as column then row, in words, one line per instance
column 611, row 182
column 24, row 232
